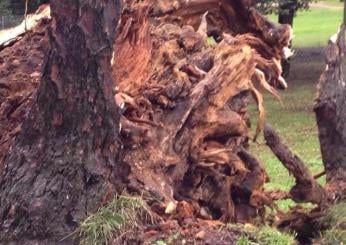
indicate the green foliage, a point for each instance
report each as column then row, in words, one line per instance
column 120, row 215
column 270, row 6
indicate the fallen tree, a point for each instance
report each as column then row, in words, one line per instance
column 185, row 72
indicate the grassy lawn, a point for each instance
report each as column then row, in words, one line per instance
column 294, row 121
column 313, row 27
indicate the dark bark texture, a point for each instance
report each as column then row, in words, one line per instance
column 306, row 188
column 64, row 162
column 330, row 109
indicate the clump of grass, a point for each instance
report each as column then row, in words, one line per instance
column 271, row 236
column 266, row 235
column 335, row 221
column 334, row 236
column 120, row 215
column 243, row 240
column 211, row 40
column 336, row 215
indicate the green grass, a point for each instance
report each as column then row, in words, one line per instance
column 263, row 235
column 295, row 122
column 335, row 221
column 313, row 27
column 119, row 216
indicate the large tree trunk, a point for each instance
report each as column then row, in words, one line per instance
column 64, row 161
column 330, row 109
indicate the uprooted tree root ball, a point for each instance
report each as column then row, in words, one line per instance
column 184, row 108
column 185, row 72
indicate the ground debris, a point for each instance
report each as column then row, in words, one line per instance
column 171, row 232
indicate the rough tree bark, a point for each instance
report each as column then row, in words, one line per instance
column 330, row 109
column 64, row 161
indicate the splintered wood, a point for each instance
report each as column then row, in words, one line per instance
column 184, row 124
column 185, row 72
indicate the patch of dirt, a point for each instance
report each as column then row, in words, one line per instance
column 172, row 233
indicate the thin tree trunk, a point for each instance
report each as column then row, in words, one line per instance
column 64, row 161
column 286, row 16
column 25, row 13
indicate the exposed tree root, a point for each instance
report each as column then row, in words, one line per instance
column 306, row 188
column 184, row 124
column 199, row 94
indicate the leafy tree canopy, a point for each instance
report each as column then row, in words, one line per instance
column 275, row 6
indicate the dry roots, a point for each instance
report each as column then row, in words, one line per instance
column 183, row 101
column 185, row 72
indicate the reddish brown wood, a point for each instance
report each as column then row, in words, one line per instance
column 64, row 162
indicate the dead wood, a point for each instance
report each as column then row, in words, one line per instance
column 183, row 102
column 306, row 188
column 199, row 94
column 330, row 109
